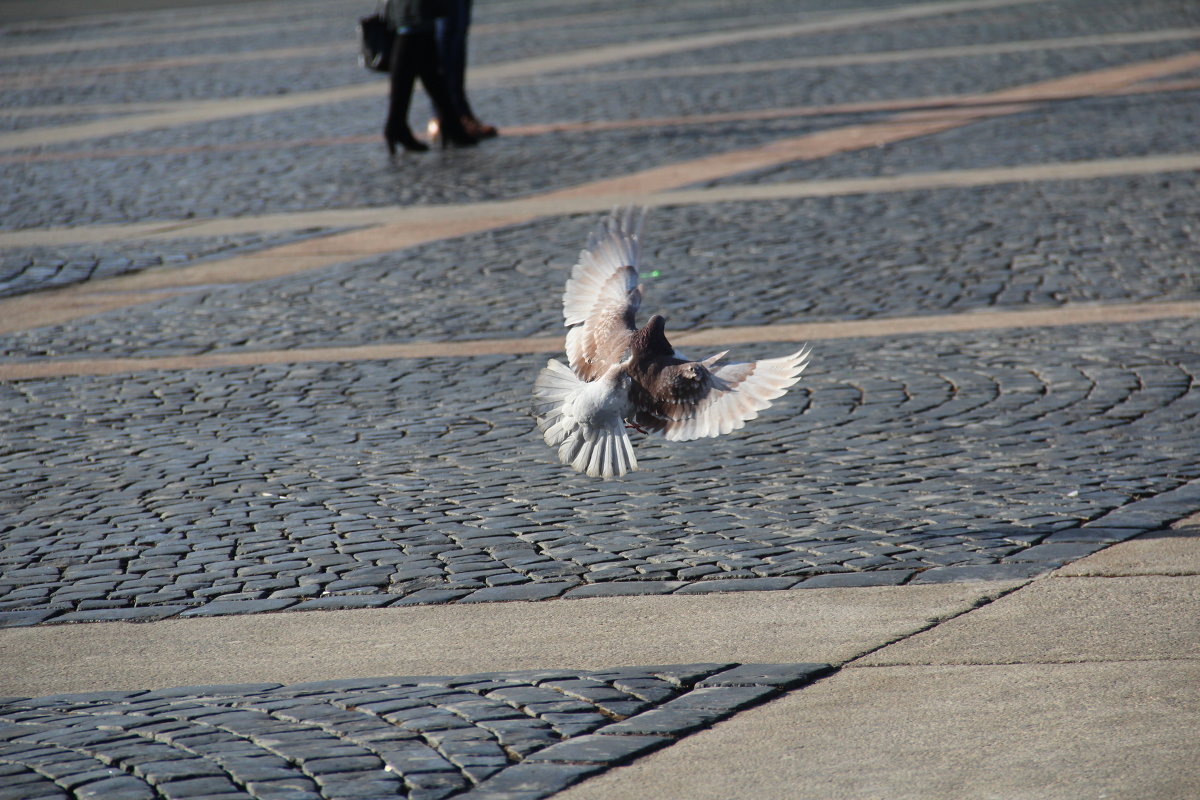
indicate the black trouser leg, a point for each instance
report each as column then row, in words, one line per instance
column 452, row 48
column 403, row 74
column 425, row 57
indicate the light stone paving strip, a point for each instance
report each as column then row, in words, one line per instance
column 101, row 43
column 1109, row 313
column 890, row 265
column 899, row 104
column 87, row 75
column 896, row 128
column 1070, row 682
column 536, row 207
column 536, row 129
column 10, row 79
column 43, row 268
column 832, row 625
column 539, row 129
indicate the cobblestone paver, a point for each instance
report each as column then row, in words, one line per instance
column 491, row 736
column 29, row 269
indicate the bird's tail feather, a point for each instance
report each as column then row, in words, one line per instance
column 555, row 387
column 600, row 451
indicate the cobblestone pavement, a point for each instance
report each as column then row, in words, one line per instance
column 299, row 487
column 367, row 484
column 485, row 737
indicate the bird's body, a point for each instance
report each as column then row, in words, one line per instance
column 585, row 420
column 621, row 374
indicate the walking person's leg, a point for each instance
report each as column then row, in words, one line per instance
column 403, row 74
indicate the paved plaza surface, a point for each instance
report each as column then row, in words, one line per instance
column 276, row 521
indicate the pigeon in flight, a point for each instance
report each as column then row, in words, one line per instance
column 622, row 376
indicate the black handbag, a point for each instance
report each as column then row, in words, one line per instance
column 376, row 50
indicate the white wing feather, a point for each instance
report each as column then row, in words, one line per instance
column 615, row 243
column 603, row 295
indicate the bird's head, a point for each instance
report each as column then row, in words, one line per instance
column 651, row 339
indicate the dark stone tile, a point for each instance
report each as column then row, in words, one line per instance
column 623, row 588
column 598, row 749
column 891, row 577
column 1055, row 552
column 529, row 591
column 739, row 585
column 781, row 676
column 529, row 780
column 137, row 614
column 667, row 722
column 344, row 602
column 223, row 607
column 18, row 619
column 722, row 698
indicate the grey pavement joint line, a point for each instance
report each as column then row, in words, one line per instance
column 980, row 602
column 1069, row 315
column 204, row 112
column 269, row 223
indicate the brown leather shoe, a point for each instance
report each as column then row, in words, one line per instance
column 478, row 129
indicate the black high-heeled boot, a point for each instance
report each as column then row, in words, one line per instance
column 403, row 137
column 404, row 70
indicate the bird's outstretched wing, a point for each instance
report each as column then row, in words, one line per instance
column 602, row 295
column 732, row 395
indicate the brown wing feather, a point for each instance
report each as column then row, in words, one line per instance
column 601, row 340
column 739, row 392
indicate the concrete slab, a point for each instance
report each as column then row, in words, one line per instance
column 1059, row 619
column 1161, row 553
column 1169, row 552
column 1114, row 730
column 823, row 625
